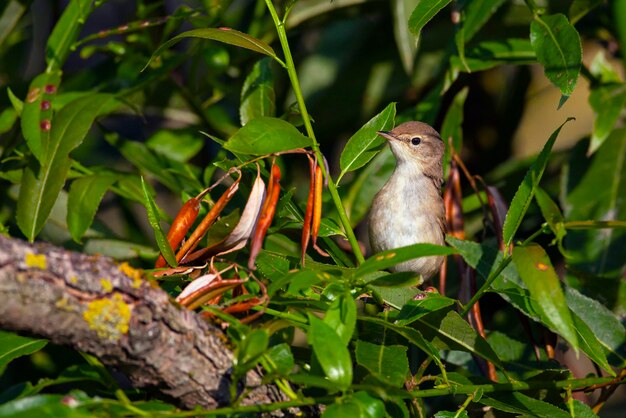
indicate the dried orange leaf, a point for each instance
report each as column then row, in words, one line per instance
column 181, row 224
column 266, row 216
column 308, row 214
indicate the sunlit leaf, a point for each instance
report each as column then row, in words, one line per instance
column 365, row 143
column 225, row 35
column 416, row 309
column 265, row 135
column 36, row 116
column 390, row 258
column 329, row 350
column 41, row 184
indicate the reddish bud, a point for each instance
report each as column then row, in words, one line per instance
column 45, row 125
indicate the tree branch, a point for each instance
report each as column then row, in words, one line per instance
column 107, row 309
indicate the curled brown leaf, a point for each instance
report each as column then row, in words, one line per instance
column 266, row 216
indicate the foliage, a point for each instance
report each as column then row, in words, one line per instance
column 162, row 104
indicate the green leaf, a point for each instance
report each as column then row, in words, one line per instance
column 551, row 213
column 341, row 317
column 158, row 165
column 7, row 119
column 582, row 410
column 413, row 336
column 342, row 410
column 536, row 271
column 225, row 35
column 265, row 135
column 330, row 351
column 447, row 330
column 390, row 258
column 510, row 286
column 415, row 309
column 519, row 403
column 400, row 279
column 594, row 189
column 370, row 406
column 155, row 223
column 490, row 54
column 527, row 188
column 33, row 118
column 405, row 40
column 250, row 348
column 425, row 10
column 17, row 104
column 607, row 102
column 257, row 95
column 452, row 128
column 65, row 32
column 365, row 143
column 83, row 201
column 605, row 325
column 178, row 145
column 368, row 182
column 41, row 184
column 118, row 249
column 474, row 14
column 280, row 358
column 13, row 346
column 557, row 45
column 388, row 363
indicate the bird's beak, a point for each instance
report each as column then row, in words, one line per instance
column 387, row 135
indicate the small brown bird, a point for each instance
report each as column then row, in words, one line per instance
column 409, row 208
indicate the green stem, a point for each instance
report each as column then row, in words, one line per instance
column 469, row 399
column 485, row 287
column 594, row 224
column 295, row 84
column 282, row 315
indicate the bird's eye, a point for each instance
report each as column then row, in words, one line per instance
column 416, row 140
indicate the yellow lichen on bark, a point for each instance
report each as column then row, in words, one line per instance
column 133, row 273
column 109, row 317
column 36, row 260
column 106, row 285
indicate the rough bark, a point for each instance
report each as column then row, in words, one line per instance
column 107, row 309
